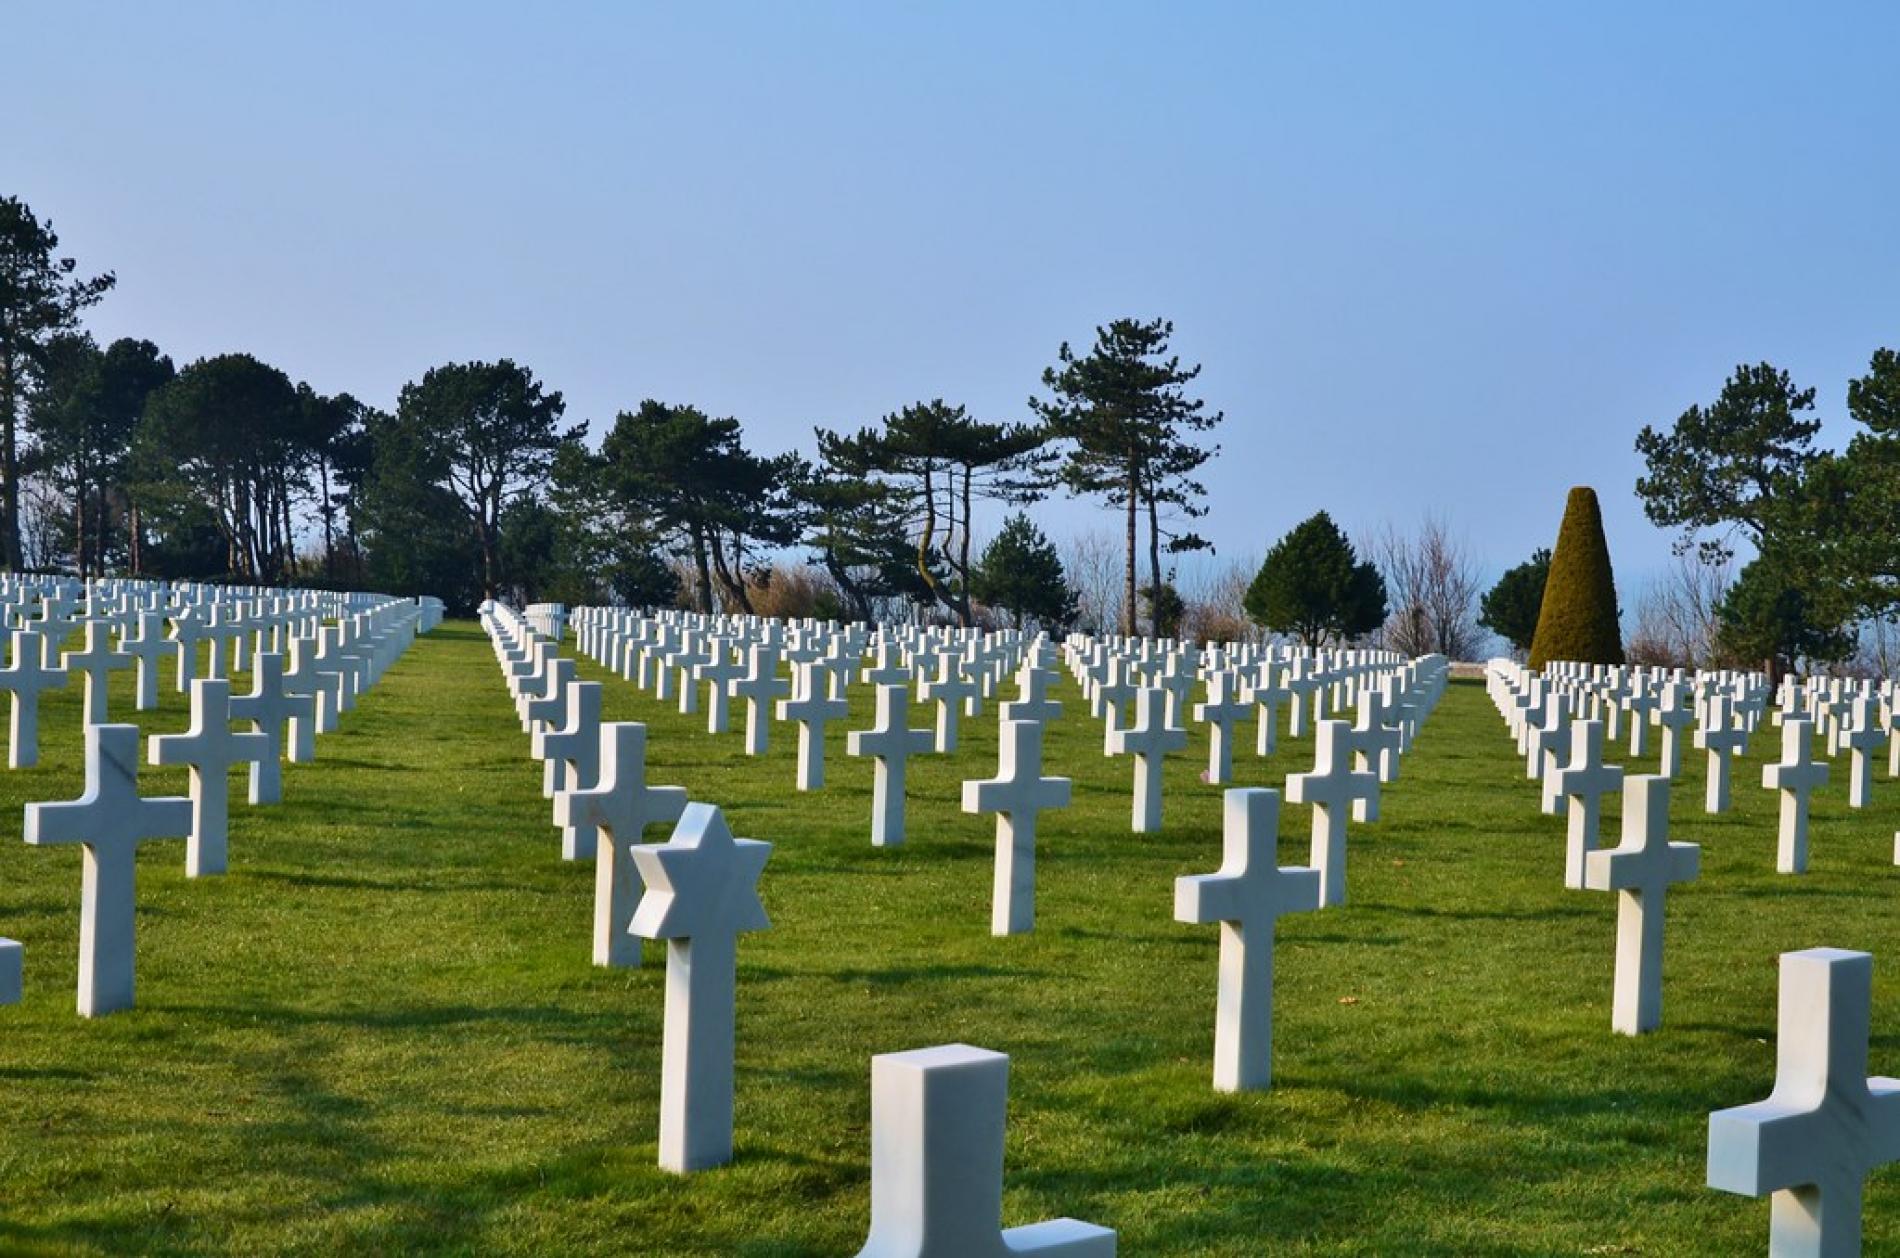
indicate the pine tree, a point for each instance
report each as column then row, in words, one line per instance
column 1021, row 573
column 1313, row 585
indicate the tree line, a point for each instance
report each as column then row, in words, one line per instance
column 115, row 458
column 474, row 483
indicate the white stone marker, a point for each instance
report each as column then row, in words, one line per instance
column 1826, row 1125
column 1246, row 897
column 702, row 892
column 273, row 708
column 1149, row 739
column 570, row 759
column 890, row 742
column 149, row 649
column 1223, row 709
column 813, row 708
column 1016, row 794
column 937, row 1118
column 1330, row 789
column 1584, row 782
column 1797, row 775
column 209, row 748
column 1863, row 739
column 718, row 671
column 759, row 688
column 949, row 690
column 1672, row 716
column 618, row 807
column 96, row 662
column 12, row 972
column 1640, row 870
column 1375, row 748
column 109, row 820
column 26, row 677
column 1721, row 736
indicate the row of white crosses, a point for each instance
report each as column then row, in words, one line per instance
column 1352, row 759
column 698, row 891
column 954, row 670
column 110, row 819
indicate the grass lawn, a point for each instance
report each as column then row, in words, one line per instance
column 381, row 1031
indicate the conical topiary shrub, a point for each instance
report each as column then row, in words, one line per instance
column 1578, row 619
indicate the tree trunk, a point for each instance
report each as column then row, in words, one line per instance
column 1128, row 573
column 963, row 605
column 1154, row 570
column 701, row 569
column 9, row 463
column 929, row 533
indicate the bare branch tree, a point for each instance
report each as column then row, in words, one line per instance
column 1432, row 590
column 1675, row 625
column 1093, row 562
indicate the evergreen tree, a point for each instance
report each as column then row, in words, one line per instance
column 41, row 299
column 1313, row 585
column 1733, row 464
column 1578, row 617
column 678, row 475
column 1510, row 609
column 936, row 462
column 493, row 431
column 1772, row 619
column 227, row 433
column 1124, row 412
column 1021, row 573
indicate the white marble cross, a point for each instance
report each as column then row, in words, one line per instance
column 717, row 671
column 570, row 759
column 1672, row 715
column 1223, row 709
column 1032, row 702
column 813, row 708
column 273, row 709
column 1149, row 739
column 1016, row 794
column 1584, row 782
column 759, row 688
column 96, row 662
column 25, row 678
column 1330, row 789
column 1111, row 699
column 1375, row 748
column 937, row 1127
column 209, row 748
column 702, row 892
column 149, row 648
column 618, row 807
column 1826, row 1125
column 1721, row 736
column 188, row 630
column 1268, row 695
column 109, row 820
column 1640, row 871
column 1863, row 738
column 1795, row 777
column 890, row 742
column 1248, row 895
column 949, row 689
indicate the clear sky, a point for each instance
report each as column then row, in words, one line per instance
column 1436, row 257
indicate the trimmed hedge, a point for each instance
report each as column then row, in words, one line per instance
column 1578, row 620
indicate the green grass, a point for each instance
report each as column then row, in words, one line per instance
column 381, row 1031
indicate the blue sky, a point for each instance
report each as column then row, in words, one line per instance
column 1434, row 257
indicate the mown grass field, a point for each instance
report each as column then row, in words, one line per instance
column 381, row 1033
